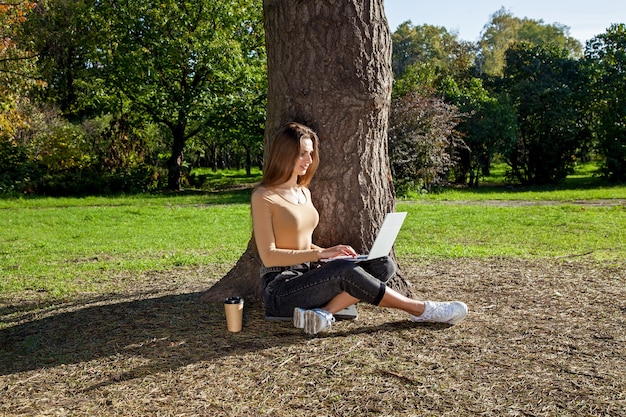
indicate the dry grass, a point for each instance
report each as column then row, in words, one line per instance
column 544, row 338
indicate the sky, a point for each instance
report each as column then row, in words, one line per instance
column 585, row 19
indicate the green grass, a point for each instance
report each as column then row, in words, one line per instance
column 69, row 246
column 225, row 179
column 581, row 185
column 477, row 230
column 60, row 246
column 240, row 196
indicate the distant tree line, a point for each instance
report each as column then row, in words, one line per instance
column 107, row 96
column 526, row 93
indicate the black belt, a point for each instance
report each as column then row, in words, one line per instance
column 300, row 267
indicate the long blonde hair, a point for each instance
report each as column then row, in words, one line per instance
column 284, row 152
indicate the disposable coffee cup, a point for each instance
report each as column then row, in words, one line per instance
column 233, row 306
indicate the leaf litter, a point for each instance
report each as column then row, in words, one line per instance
column 544, row 337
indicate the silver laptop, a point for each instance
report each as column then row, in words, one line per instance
column 384, row 241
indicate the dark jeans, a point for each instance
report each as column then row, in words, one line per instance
column 314, row 286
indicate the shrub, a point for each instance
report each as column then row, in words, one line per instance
column 423, row 143
column 16, row 170
column 51, row 156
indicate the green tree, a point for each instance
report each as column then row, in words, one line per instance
column 423, row 55
column 17, row 61
column 425, row 44
column 430, row 61
column 177, row 60
column 545, row 87
column 504, row 30
column 605, row 56
column 240, row 121
column 61, row 33
column 488, row 123
column 17, row 70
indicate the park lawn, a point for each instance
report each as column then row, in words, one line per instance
column 59, row 247
column 65, row 249
column 462, row 229
column 100, row 313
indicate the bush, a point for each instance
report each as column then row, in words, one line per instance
column 51, row 156
column 16, row 170
column 97, row 182
column 423, row 143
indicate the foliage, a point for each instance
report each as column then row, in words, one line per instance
column 430, row 61
column 428, row 44
column 424, row 55
column 180, row 61
column 194, row 68
column 423, row 145
column 17, row 70
column 237, row 129
column 185, row 82
column 505, row 30
column 49, row 155
column 606, row 57
column 16, row 171
column 56, row 30
column 489, row 123
column 546, row 89
column 17, row 60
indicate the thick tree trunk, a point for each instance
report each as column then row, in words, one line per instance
column 329, row 67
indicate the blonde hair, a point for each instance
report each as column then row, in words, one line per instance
column 285, row 150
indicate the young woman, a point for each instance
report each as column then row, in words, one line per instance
column 293, row 282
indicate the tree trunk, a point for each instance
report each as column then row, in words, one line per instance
column 175, row 161
column 329, row 67
column 248, row 160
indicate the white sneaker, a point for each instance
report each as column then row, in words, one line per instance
column 317, row 320
column 298, row 317
column 450, row 312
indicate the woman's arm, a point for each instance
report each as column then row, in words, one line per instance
column 332, row 252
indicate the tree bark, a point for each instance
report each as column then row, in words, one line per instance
column 175, row 161
column 329, row 67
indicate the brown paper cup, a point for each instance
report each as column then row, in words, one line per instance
column 233, row 308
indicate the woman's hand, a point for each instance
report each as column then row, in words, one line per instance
column 338, row 250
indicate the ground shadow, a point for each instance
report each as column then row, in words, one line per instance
column 162, row 332
column 171, row 331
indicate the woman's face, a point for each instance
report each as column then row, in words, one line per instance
column 305, row 158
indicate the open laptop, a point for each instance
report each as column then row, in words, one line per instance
column 384, row 241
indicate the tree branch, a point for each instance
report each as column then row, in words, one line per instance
column 19, row 58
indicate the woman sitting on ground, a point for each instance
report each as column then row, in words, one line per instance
column 293, row 282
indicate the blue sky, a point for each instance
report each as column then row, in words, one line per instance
column 467, row 18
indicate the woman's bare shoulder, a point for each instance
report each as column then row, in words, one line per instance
column 262, row 193
column 260, row 190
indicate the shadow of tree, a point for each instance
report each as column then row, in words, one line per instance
column 165, row 333
column 157, row 334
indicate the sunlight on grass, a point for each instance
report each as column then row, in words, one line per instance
column 524, row 194
column 208, row 179
column 65, row 245
column 49, row 247
column 581, row 185
column 454, row 231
